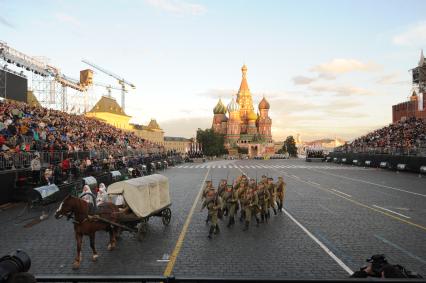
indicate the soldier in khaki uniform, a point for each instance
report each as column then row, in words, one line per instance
column 242, row 188
column 272, row 194
column 280, row 193
column 209, row 185
column 213, row 203
column 222, row 186
column 220, row 190
column 264, row 180
column 263, row 196
column 230, row 200
column 250, row 206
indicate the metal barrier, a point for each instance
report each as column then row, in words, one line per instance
column 20, row 160
column 395, row 151
column 413, row 163
column 135, row 278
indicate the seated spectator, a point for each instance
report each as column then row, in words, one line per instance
column 35, row 168
column 402, row 137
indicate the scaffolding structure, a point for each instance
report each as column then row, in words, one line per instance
column 50, row 86
column 3, row 82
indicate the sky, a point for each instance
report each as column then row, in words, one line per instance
column 328, row 68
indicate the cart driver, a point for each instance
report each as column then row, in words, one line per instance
column 88, row 197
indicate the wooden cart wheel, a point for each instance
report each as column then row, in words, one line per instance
column 166, row 215
column 142, row 228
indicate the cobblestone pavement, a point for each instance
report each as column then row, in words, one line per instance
column 335, row 217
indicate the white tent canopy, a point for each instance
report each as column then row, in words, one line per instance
column 144, row 195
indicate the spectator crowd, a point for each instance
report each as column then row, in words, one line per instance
column 403, row 137
column 26, row 128
column 72, row 142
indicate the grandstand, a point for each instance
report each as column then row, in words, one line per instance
column 400, row 146
column 405, row 137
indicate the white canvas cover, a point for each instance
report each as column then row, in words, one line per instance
column 144, row 195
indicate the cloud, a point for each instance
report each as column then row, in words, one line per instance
column 391, row 79
column 341, row 66
column 302, row 80
column 65, row 18
column 185, row 127
column 178, row 7
column 342, row 90
column 415, row 35
column 5, row 22
column 330, row 70
column 299, row 108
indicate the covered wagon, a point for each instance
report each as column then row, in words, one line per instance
column 142, row 198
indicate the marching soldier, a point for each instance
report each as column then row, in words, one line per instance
column 263, row 196
column 209, row 186
column 222, row 186
column 264, row 180
column 250, row 206
column 244, row 180
column 220, row 190
column 252, row 183
column 280, row 193
column 230, row 199
column 213, row 203
column 272, row 193
column 242, row 188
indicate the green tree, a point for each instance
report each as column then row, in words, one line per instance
column 290, row 146
column 211, row 142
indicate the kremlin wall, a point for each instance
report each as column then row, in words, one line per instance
column 416, row 105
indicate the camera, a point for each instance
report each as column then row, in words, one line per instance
column 16, row 262
column 377, row 263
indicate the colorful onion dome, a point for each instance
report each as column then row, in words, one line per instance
column 252, row 116
column 220, row 108
column 233, row 106
column 264, row 104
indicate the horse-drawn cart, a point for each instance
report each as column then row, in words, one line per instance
column 142, row 198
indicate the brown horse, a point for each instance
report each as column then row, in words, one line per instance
column 84, row 224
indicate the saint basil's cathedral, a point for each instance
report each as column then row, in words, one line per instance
column 242, row 127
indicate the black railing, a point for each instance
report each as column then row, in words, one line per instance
column 136, row 278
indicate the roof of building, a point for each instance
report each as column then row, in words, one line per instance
column 154, row 125
column 108, row 104
column 182, row 139
column 139, row 127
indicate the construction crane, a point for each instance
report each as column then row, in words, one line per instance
column 108, row 87
column 121, row 80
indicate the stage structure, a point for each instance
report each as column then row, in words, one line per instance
column 50, row 86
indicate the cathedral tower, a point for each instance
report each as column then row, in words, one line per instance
column 219, row 118
column 234, row 123
column 264, row 121
column 244, row 100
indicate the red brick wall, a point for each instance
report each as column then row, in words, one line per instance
column 408, row 109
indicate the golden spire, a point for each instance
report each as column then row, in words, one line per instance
column 244, row 84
